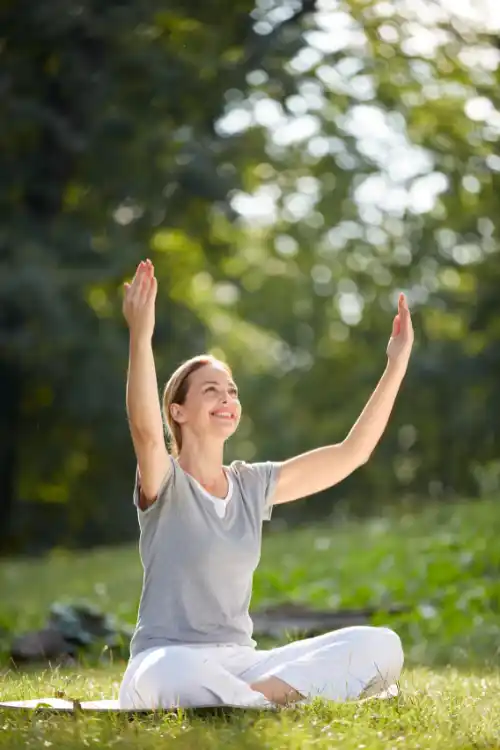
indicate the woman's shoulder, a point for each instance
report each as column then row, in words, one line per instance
column 169, row 489
column 240, row 465
column 257, row 472
column 243, row 467
column 257, row 482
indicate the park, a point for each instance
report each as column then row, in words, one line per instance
column 304, row 176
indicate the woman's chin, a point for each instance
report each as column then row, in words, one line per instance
column 224, row 430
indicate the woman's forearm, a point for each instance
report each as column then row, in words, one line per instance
column 370, row 425
column 142, row 399
column 324, row 467
column 319, row 469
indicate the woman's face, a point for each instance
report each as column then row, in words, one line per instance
column 211, row 407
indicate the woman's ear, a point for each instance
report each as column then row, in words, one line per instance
column 176, row 412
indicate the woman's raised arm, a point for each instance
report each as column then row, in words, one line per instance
column 143, row 403
column 324, row 467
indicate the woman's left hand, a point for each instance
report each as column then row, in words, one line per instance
column 401, row 341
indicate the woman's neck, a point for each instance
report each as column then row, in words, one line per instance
column 203, row 461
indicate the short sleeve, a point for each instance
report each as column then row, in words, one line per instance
column 168, row 479
column 260, row 480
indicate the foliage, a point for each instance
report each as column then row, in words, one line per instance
column 443, row 563
column 107, row 152
column 388, row 184
column 288, row 171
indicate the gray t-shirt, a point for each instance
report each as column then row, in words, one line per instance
column 198, row 566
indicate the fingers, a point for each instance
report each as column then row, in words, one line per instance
column 403, row 305
column 404, row 316
column 401, row 321
column 403, row 309
column 143, row 270
column 396, row 326
column 149, row 284
column 154, row 288
column 143, row 284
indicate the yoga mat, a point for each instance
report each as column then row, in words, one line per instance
column 62, row 706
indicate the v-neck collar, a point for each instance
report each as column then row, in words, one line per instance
column 220, row 503
column 215, row 498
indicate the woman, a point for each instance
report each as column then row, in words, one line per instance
column 200, row 537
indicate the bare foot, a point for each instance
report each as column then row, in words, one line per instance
column 277, row 691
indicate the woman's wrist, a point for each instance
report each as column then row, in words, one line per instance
column 397, row 366
column 140, row 340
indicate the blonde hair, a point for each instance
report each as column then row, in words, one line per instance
column 175, row 392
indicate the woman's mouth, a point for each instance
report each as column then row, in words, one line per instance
column 223, row 414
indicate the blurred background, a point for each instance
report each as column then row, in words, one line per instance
column 289, row 166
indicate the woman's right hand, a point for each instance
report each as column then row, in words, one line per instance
column 139, row 301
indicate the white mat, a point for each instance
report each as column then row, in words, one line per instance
column 112, row 706
column 60, row 704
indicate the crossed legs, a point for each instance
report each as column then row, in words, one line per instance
column 342, row 665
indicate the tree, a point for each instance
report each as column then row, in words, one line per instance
column 108, row 147
column 381, row 174
column 288, row 167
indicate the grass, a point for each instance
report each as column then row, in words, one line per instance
column 443, row 563
column 440, row 710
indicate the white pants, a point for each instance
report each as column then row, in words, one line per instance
column 338, row 666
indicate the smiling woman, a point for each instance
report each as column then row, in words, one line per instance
column 200, row 396
column 201, row 406
column 201, row 531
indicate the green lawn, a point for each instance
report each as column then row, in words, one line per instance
column 443, row 563
column 442, row 711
